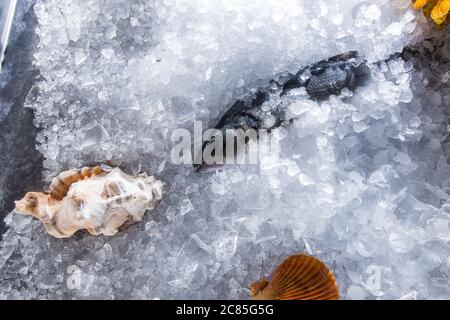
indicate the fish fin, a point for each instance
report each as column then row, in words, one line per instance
column 319, row 67
column 343, row 56
column 302, row 277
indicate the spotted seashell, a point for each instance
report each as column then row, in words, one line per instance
column 61, row 184
column 92, row 199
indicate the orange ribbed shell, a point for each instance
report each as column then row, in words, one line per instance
column 300, row 277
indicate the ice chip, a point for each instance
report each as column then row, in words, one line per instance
column 185, row 207
column 226, row 246
column 400, row 242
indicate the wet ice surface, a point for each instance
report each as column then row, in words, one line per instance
column 362, row 182
column 20, row 162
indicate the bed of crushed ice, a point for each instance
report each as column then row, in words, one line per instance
column 363, row 182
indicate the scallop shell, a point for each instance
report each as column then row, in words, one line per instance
column 299, row 277
column 92, row 199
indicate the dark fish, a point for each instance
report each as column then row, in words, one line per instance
column 330, row 76
column 321, row 80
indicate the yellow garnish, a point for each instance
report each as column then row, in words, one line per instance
column 436, row 9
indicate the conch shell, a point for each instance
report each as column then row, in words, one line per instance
column 299, row 277
column 92, row 199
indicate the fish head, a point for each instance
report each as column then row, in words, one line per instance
column 29, row 204
column 225, row 145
